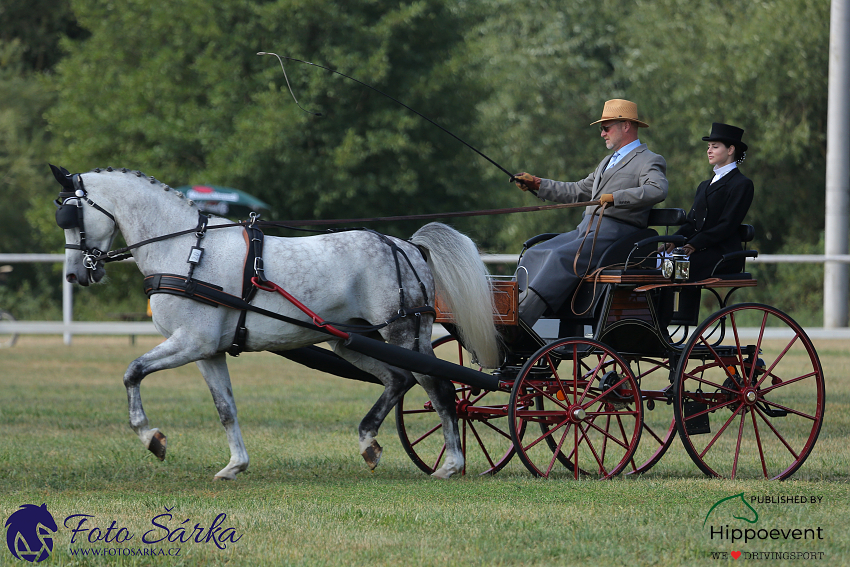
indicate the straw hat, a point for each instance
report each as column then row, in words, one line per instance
column 619, row 109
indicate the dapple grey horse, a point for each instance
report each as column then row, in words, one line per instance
column 350, row 278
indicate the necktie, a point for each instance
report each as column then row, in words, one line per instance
column 613, row 162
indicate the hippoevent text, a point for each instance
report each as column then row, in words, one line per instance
column 751, row 534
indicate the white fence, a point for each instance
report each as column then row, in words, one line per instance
column 68, row 327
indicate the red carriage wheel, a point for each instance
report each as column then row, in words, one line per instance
column 587, row 407
column 749, row 410
column 658, row 429
column 482, row 420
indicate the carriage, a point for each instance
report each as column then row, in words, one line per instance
column 607, row 390
column 602, row 389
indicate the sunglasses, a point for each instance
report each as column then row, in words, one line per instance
column 606, row 128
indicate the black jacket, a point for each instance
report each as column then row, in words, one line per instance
column 712, row 224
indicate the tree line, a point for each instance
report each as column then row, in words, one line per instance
column 177, row 89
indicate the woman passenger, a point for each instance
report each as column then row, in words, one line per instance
column 719, row 208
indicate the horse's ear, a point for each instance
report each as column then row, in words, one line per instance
column 63, row 176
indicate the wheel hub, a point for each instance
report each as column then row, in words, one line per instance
column 577, row 413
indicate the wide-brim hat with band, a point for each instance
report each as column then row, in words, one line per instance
column 729, row 135
column 619, row 109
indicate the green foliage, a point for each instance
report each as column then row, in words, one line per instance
column 176, row 89
column 179, row 90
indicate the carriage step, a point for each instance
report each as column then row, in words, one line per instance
column 699, row 424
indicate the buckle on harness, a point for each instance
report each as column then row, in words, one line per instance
column 258, row 269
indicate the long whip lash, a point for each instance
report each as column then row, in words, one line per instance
column 280, row 59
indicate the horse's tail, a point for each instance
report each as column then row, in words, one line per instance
column 461, row 280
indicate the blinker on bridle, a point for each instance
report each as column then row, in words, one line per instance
column 70, row 216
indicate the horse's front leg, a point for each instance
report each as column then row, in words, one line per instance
column 218, row 380
column 174, row 352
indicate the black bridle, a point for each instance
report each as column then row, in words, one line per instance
column 70, row 215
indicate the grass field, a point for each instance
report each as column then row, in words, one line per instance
column 308, row 498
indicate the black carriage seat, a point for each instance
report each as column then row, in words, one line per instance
column 746, row 232
column 620, row 251
column 634, row 254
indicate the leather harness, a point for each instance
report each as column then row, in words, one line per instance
column 254, row 278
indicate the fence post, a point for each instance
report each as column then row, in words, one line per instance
column 835, row 281
column 67, row 306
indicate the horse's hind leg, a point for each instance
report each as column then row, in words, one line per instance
column 217, row 377
column 396, row 383
column 442, row 395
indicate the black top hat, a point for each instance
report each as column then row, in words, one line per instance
column 729, row 135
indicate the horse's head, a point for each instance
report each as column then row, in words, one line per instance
column 89, row 227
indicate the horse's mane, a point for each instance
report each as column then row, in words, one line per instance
column 151, row 179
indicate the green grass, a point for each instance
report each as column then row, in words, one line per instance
column 308, row 498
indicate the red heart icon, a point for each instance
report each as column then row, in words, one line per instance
column 736, row 554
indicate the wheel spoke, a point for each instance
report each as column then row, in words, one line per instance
column 648, row 429
column 758, row 444
column 556, row 452
column 607, row 435
column 439, row 457
column 738, row 445
column 501, row 432
column 480, row 444
column 545, row 435
column 708, row 382
column 763, row 391
column 778, row 435
column 590, row 381
column 719, row 433
column 775, row 362
column 599, row 462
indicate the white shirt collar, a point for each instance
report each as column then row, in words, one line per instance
column 721, row 171
column 628, row 148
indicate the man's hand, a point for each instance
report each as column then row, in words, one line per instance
column 689, row 249
column 526, row 181
column 606, row 198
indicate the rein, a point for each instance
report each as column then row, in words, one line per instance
column 124, row 253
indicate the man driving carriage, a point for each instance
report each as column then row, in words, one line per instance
column 629, row 181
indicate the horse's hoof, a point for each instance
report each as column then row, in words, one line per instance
column 157, row 445
column 372, row 454
column 215, row 478
column 440, row 473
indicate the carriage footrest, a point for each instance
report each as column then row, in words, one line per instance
column 699, row 424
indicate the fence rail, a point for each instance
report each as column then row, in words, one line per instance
column 68, row 327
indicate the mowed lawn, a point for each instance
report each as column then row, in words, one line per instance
column 309, row 499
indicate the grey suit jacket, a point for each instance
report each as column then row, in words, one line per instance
column 637, row 182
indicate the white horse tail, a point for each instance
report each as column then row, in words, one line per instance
column 462, row 284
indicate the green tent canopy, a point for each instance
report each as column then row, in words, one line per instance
column 223, row 201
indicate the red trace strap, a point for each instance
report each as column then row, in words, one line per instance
column 318, row 321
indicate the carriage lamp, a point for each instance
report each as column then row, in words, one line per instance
column 677, row 267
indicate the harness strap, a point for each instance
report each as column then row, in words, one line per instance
column 253, row 268
column 197, row 251
column 211, row 294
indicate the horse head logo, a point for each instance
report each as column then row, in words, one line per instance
column 29, row 533
column 737, row 506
